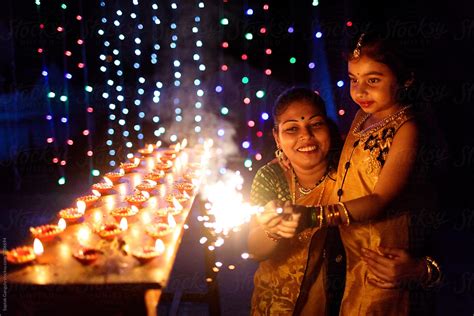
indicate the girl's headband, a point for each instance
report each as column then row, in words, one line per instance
column 357, row 50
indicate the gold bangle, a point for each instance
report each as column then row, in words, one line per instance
column 346, row 213
column 321, row 217
column 272, row 237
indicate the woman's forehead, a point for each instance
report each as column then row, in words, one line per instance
column 300, row 109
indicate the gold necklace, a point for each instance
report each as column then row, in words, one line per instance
column 322, row 180
column 304, row 190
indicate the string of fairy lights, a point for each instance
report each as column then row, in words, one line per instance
column 58, row 87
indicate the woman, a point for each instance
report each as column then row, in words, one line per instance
column 303, row 133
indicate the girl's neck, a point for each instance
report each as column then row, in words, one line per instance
column 308, row 177
column 380, row 115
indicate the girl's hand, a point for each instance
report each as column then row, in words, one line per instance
column 392, row 266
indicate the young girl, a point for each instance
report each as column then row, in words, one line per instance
column 378, row 187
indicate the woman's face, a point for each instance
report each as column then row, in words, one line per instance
column 303, row 135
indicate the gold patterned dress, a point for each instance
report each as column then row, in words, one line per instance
column 278, row 279
column 362, row 159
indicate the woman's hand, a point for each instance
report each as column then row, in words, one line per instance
column 392, row 266
column 279, row 220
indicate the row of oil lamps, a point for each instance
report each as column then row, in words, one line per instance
column 184, row 189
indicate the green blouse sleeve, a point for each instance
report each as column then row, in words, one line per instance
column 269, row 184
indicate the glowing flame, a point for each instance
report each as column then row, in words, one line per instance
column 97, row 217
column 134, row 209
column 150, row 148
column 123, row 224
column 186, row 195
column 177, row 147
column 151, row 182
column 136, row 161
column 81, row 206
column 145, row 194
column 146, row 218
column 108, row 181
column 158, row 144
column 176, row 204
column 38, row 248
column 159, row 246
column 226, row 204
column 83, row 234
column 62, row 224
column 171, row 221
column 184, row 143
column 121, row 172
column 96, row 193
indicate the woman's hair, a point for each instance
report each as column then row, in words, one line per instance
column 296, row 94
column 300, row 94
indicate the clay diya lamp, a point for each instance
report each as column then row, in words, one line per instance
column 169, row 154
column 114, row 177
column 103, row 188
column 87, row 255
column 109, row 231
column 164, row 211
column 21, row 255
column 89, row 200
column 184, row 186
column 164, row 166
column 134, row 159
column 46, row 232
column 71, row 214
column 181, row 198
column 158, row 230
column 155, row 176
column 146, row 254
column 147, row 186
column 137, row 199
column 121, row 212
column 147, row 151
column 128, row 166
column 192, row 175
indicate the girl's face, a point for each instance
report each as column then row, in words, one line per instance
column 373, row 86
column 303, row 135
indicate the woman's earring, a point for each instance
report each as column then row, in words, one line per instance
column 279, row 153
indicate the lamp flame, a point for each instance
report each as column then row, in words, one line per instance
column 136, row 161
column 171, row 221
column 108, row 181
column 38, row 248
column 159, row 246
column 150, row 148
column 123, row 224
column 81, row 206
column 145, row 194
column 96, row 193
column 62, row 224
column 176, row 204
column 83, row 234
column 184, row 143
column 122, row 172
column 158, row 144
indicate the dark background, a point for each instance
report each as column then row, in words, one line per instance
column 441, row 39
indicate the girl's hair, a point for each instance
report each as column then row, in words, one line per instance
column 299, row 94
column 376, row 45
column 296, row 94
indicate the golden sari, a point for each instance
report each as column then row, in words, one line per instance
column 278, row 279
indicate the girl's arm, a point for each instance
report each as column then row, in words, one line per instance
column 393, row 177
